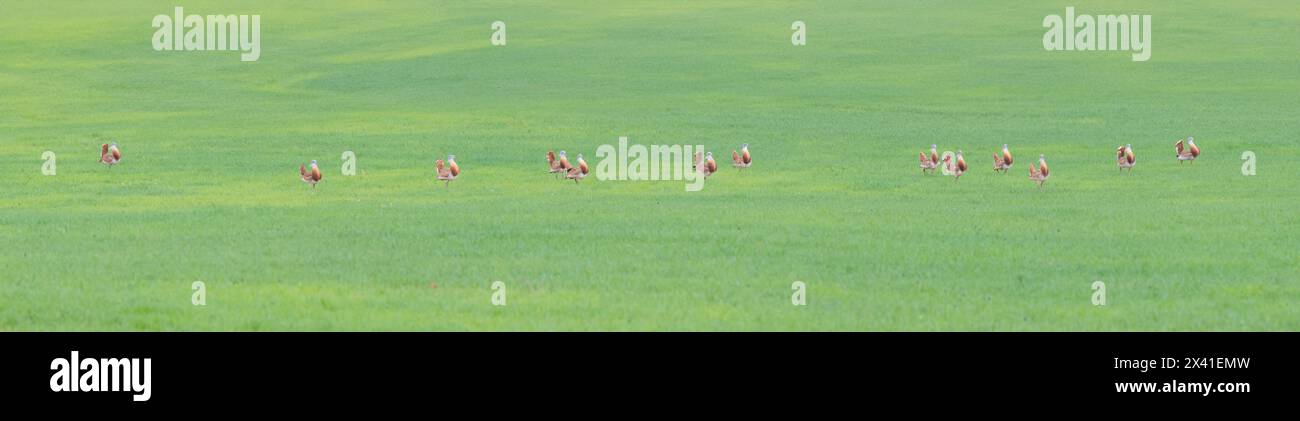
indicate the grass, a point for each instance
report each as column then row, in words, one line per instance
column 208, row 190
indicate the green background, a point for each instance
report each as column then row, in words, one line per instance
column 208, row 190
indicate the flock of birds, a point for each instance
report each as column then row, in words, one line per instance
column 560, row 165
column 1038, row 173
column 702, row 163
column 1184, row 149
column 557, row 164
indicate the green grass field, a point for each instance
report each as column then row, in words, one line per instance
column 209, row 191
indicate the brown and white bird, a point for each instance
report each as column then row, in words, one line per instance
column 1040, row 173
column 741, row 159
column 449, row 171
column 1189, row 153
column 564, row 162
column 557, row 166
column 579, row 172
column 956, row 168
column 709, row 166
column 930, row 163
column 310, row 176
column 1002, row 162
column 109, row 155
column 1124, row 157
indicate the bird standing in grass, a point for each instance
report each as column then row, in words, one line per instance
column 930, row 163
column 109, row 155
column 579, row 172
column 955, row 168
column 1002, row 162
column 1189, row 153
column 1124, row 157
column 709, row 166
column 1040, row 173
column 741, row 159
column 449, row 171
column 310, row 176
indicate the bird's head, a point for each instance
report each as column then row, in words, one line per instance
column 934, row 146
column 1004, row 146
column 1041, row 157
column 1128, row 146
column 451, row 157
column 562, row 154
column 709, row 155
column 313, row 162
column 744, row 146
column 113, row 144
column 579, row 157
column 1191, row 141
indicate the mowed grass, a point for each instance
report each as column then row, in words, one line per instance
column 208, row 190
